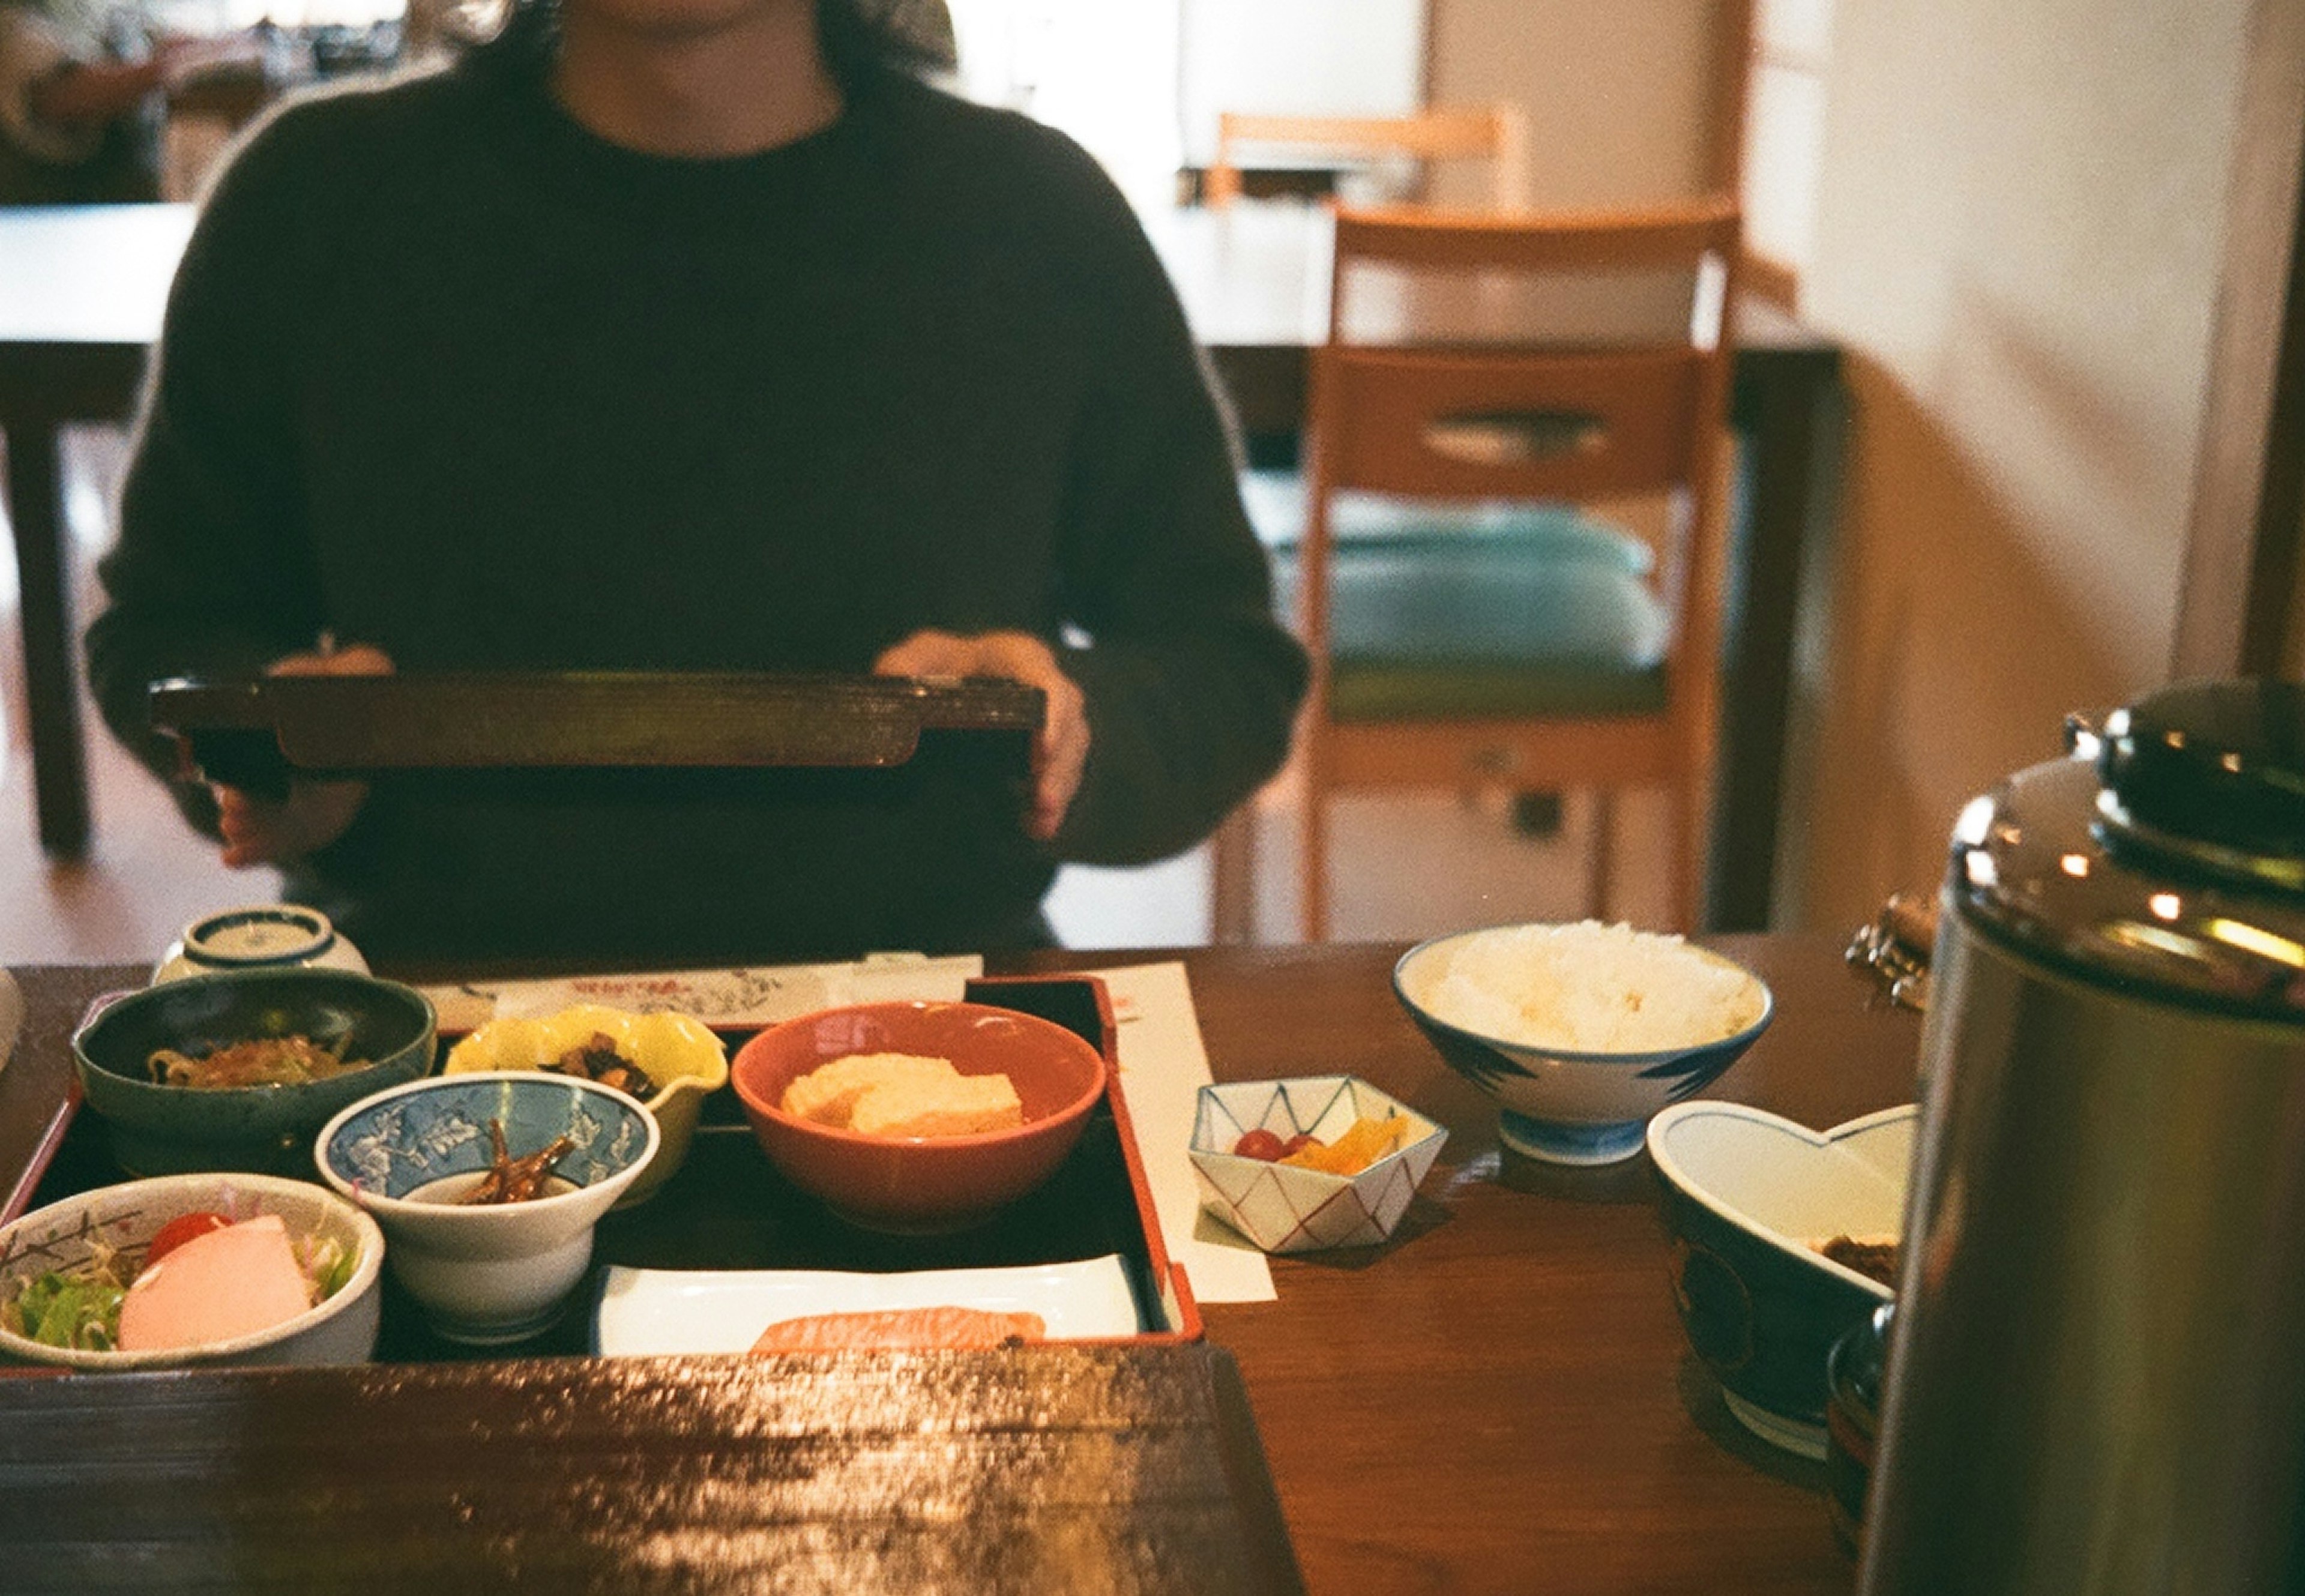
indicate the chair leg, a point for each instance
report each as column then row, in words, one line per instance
column 1599, row 883
column 1313, row 850
column 1684, row 831
column 1232, row 879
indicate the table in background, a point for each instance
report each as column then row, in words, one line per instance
column 81, row 293
column 82, row 289
column 1501, row 1399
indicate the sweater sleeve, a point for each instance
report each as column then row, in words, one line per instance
column 1192, row 685
column 213, row 572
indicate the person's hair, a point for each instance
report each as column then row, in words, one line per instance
column 859, row 38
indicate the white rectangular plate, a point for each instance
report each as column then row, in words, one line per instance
column 653, row 1313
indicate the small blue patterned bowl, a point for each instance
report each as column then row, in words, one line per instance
column 487, row 1273
column 1558, row 1106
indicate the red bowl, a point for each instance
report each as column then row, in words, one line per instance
column 922, row 1184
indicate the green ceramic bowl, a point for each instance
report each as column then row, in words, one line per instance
column 168, row 1130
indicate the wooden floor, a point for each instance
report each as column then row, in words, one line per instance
column 1409, row 865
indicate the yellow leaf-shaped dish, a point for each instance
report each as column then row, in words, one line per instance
column 680, row 1054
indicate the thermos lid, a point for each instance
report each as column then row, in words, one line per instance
column 2167, row 856
column 2212, row 771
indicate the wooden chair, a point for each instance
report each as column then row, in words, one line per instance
column 1496, row 134
column 1537, row 647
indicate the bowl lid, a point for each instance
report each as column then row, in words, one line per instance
column 2166, row 856
column 264, row 934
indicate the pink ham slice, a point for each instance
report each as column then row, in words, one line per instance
column 229, row 1283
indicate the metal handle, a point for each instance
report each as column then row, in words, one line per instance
column 1894, row 949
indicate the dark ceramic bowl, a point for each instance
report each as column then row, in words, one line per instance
column 168, row 1130
column 1853, row 1374
column 933, row 1184
column 1747, row 1193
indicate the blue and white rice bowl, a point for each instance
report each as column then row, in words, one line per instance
column 498, row 1272
column 1583, row 1103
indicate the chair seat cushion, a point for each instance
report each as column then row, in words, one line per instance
column 1450, row 626
column 1275, row 502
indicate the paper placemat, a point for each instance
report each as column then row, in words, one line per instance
column 761, row 996
column 1163, row 1065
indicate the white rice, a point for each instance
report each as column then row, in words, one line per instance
column 1587, row 987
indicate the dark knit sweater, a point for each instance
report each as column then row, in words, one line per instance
column 445, row 373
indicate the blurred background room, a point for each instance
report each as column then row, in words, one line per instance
column 2012, row 447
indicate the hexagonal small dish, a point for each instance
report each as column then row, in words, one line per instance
column 1283, row 1208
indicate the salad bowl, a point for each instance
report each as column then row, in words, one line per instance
column 108, row 1232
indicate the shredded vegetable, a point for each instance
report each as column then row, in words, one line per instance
column 263, row 1061
column 79, row 1309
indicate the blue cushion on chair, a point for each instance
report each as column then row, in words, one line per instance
column 1444, row 620
column 1275, row 502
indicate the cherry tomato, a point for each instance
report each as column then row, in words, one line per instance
column 1299, row 1143
column 179, row 1230
column 1260, row 1144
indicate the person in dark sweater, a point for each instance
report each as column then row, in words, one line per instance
column 695, row 336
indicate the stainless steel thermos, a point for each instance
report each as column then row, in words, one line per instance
column 2097, row 1366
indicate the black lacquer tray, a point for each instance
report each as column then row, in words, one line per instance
column 255, row 733
column 729, row 1209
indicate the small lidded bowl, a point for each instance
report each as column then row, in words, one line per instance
column 258, row 937
column 159, row 1123
column 1287, row 1208
column 1581, row 1032
column 486, row 1273
column 683, row 1061
column 111, row 1228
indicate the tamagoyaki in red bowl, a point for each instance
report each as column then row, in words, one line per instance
column 922, row 1185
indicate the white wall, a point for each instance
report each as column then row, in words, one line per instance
column 1298, row 58
column 1106, row 74
column 1619, row 93
column 2019, row 229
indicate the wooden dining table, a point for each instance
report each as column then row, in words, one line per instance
column 1499, row 1399
column 82, row 291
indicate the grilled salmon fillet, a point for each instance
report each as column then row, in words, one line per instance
column 901, row 1328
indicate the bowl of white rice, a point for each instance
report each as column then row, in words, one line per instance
column 1580, row 1031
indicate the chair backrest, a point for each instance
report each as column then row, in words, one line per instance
column 1538, row 416
column 1497, row 134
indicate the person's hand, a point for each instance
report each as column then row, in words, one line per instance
column 315, row 813
column 1061, row 751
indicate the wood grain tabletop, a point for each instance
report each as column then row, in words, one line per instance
column 1499, row 1399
